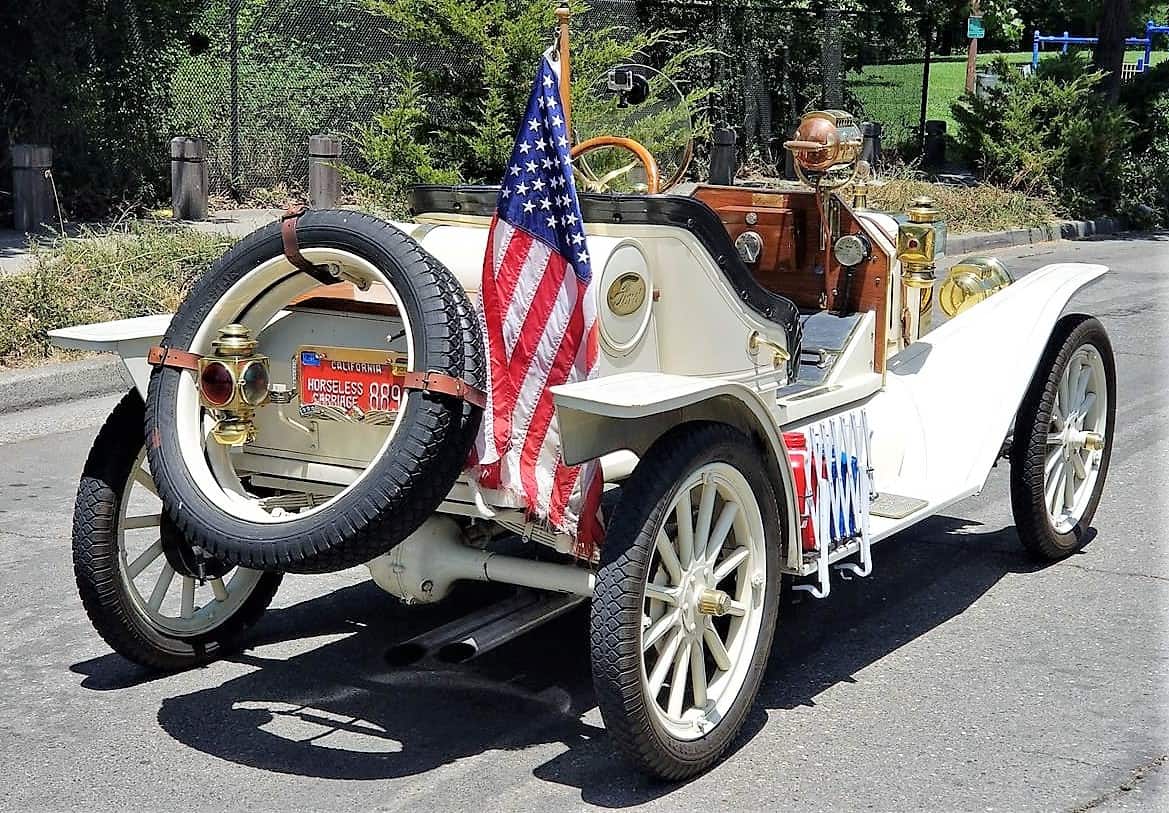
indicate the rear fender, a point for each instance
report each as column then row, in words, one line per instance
column 630, row 411
column 130, row 339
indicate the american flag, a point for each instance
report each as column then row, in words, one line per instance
column 539, row 319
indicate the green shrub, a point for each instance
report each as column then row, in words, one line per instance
column 1145, row 99
column 458, row 124
column 1052, row 135
column 135, row 270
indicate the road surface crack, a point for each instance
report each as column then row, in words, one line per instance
column 1135, row 777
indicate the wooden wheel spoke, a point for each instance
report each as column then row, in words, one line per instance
column 660, row 628
column 161, row 586
column 684, row 516
column 728, row 565
column 143, row 560
column 705, row 514
column 669, row 557
column 721, row 528
column 698, row 673
column 219, row 589
column 657, row 592
column 665, row 659
column 718, row 650
column 1078, row 464
column 142, row 521
column 678, row 680
column 188, row 602
column 1055, row 485
column 142, row 477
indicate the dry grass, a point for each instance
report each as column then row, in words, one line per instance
column 135, row 269
column 965, row 208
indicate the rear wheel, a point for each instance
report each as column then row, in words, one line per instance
column 150, row 596
column 686, row 600
column 1063, row 441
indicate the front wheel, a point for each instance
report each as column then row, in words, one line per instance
column 686, row 600
column 149, row 595
column 1063, row 441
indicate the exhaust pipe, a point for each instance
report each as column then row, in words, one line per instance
column 505, row 628
column 415, row 649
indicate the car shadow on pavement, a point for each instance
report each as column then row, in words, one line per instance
column 337, row 711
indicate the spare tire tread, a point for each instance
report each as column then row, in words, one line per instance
column 425, row 456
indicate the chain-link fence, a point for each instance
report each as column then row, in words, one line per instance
column 263, row 75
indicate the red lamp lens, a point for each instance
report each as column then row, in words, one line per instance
column 255, row 383
column 216, row 383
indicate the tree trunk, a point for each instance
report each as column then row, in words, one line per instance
column 1109, row 52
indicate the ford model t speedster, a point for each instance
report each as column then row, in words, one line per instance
column 769, row 403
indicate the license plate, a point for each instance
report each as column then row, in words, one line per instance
column 346, row 384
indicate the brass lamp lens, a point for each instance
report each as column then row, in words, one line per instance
column 216, row 383
column 254, row 383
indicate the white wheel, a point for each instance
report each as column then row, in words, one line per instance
column 1075, row 444
column 1063, row 440
column 153, row 599
column 176, row 604
column 703, row 606
column 686, row 600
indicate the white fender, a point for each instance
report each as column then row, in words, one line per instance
column 629, row 411
column 950, row 399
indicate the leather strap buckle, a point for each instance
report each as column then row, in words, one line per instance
column 432, row 381
column 159, row 356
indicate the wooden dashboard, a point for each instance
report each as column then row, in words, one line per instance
column 792, row 262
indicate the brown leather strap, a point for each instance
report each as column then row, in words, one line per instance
column 446, row 385
column 292, row 247
column 172, row 357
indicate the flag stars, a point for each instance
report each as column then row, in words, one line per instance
column 524, row 147
column 577, row 239
column 541, row 144
column 562, row 141
column 551, row 103
column 552, row 221
column 546, row 163
column 539, row 184
column 530, row 166
column 547, row 81
column 514, row 170
column 529, row 207
column 534, row 125
column 545, row 204
column 557, row 121
column 521, row 188
column 582, row 256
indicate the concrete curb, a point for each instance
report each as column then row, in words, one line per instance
column 67, row 381
column 1061, row 230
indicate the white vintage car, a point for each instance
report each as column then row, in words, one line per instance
column 770, row 404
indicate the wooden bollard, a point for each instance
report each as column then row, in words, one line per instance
column 324, row 182
column 188, row 178
column 32, row 187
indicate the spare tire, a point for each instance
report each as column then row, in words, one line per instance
column 404, row 482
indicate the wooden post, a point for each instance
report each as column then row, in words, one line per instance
column 972, row 51
column 324, row 182
column 32, row 187
column 188, row 178
column 562, row 14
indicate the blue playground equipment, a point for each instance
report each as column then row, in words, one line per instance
column 1151, row 29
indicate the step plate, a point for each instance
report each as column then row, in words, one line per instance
column 895, row 506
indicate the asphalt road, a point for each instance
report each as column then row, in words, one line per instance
column 959, row 676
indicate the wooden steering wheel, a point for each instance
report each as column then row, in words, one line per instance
column 644, row 157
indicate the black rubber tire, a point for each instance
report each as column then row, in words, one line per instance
column 96, row 560
column 615, row 616
column 405, row 484
column 1029, row 446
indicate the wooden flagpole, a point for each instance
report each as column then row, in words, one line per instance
column 562, row 14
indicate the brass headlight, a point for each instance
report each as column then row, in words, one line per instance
column 971, row 281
